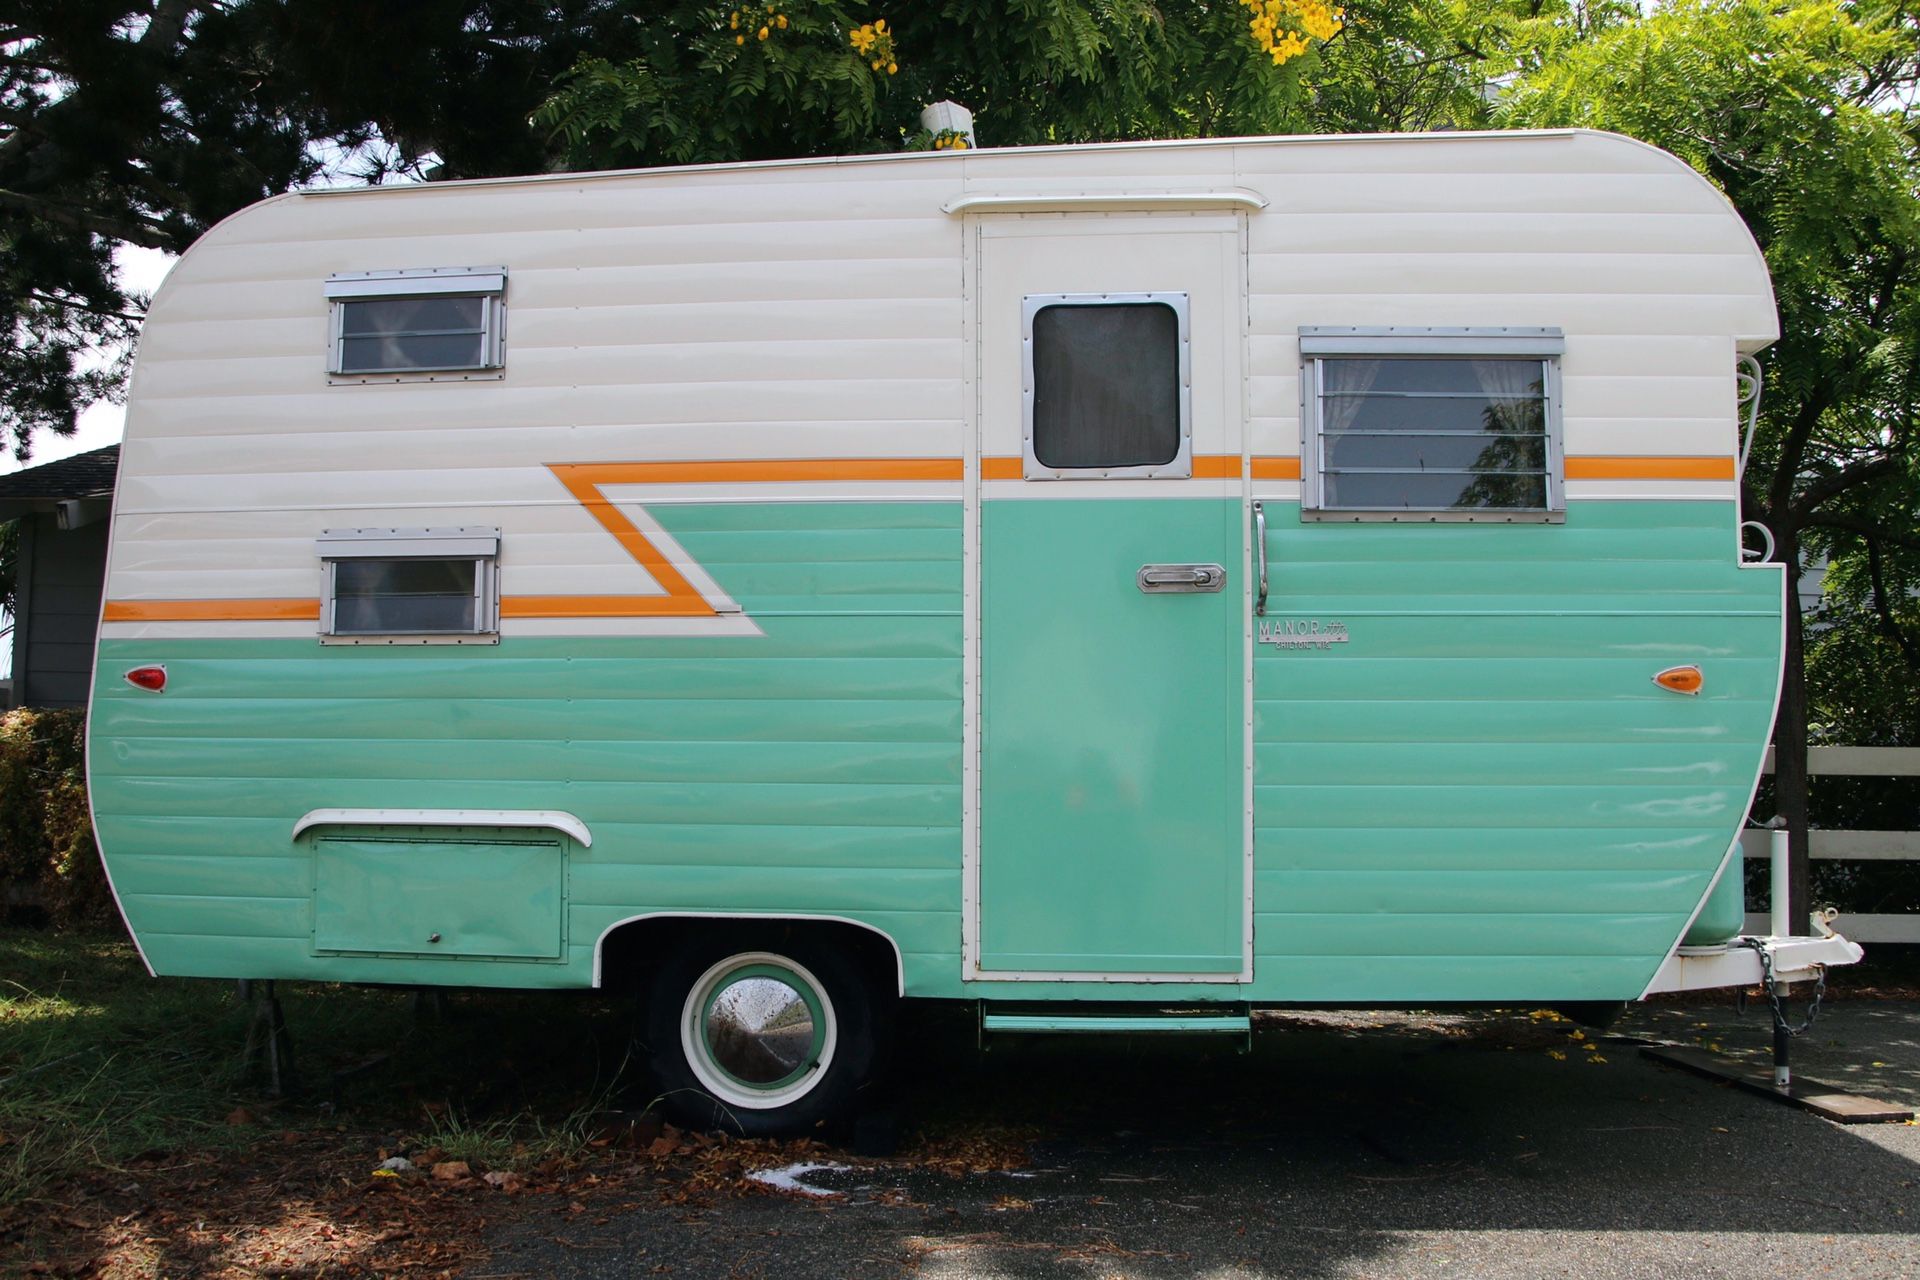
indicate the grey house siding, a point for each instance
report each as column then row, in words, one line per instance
column 62, row 575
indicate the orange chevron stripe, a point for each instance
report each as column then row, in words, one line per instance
column 583, row 481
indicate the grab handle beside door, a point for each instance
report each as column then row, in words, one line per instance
column 1260, row 545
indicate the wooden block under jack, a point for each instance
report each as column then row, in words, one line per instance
column 1811, row 1095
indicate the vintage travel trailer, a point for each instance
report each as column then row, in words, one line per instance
column 1121, row 586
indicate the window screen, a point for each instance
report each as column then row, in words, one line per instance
column 389, row 335
column 1106, row 385
column 405, row 596
column 419, row 584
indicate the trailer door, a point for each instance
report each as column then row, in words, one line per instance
column 1113, row 603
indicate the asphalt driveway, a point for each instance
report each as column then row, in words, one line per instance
column 1344, row 1145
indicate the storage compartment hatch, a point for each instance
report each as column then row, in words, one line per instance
column 498, row 894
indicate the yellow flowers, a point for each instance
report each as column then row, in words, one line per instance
column 1285, row 29
column 874, row 42
column 759, row 26
column 950, row 140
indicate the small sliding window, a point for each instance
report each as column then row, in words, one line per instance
column 1432, row 424
column 439, row 320
column 421, row 586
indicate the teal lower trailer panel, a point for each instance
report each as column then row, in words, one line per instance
column 1478, row 795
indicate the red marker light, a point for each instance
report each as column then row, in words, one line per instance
column 152, row 679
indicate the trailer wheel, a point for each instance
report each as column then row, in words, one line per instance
column 760, row 1042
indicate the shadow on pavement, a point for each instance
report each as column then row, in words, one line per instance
column 1345, row 1144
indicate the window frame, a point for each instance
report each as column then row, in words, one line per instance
column 1180, row 466
column 477, row 544
column 1319, row 343
column 489, row 284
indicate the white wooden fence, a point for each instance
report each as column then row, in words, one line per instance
column 1855, row 846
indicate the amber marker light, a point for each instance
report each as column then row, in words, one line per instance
column 1685, row 680
column 152, row 679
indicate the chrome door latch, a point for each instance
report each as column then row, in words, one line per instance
column 1161, row 579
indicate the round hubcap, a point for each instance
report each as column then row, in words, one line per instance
column 758, row 1030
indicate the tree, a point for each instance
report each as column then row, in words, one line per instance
column 1401, row 66
column 1799, row 111
column 813, row 77
column 143, row 122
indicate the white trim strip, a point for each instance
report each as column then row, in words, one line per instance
column 1098, row 201
column 549, row 819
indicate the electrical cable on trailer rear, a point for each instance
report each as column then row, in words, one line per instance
column 1772, row 986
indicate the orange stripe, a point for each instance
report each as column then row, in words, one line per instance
column 1718, row 467
column 1276, row 468
column 1002, row 469
column 763, row 472
column 211, row 611
column 604, row 607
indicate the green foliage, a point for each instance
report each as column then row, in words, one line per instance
column 1034, row 71
column 1415, row 65
column 1863, row 670
column 699, row 88
column 48, row 859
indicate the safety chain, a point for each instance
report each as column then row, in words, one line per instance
column 1772, row 986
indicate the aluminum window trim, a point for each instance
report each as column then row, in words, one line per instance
column 415, row 282
column 1428, row 340
column 489, row 284
column 1180, row 466
column 1318, row 343
column 477, row 544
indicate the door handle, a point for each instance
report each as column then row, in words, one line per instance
column 1260, row 544
column 1161, row 579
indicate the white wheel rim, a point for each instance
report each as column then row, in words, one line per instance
column 741, row 991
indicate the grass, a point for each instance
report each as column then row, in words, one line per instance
column 100, row 1064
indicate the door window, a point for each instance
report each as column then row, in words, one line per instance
column 1107, row 386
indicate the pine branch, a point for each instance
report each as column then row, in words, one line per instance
column 143, row 233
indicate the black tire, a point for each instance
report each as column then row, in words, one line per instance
column 835, row 1061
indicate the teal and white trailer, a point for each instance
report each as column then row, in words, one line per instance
column 1190, row 576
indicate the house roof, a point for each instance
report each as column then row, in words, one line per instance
column 84, row 475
